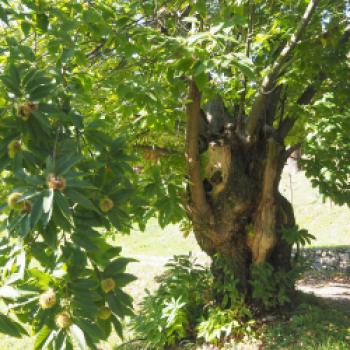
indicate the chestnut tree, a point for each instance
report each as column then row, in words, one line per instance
column 113, row 112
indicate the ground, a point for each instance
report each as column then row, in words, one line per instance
column 316, row 324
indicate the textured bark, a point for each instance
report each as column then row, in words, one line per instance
column 239, row 215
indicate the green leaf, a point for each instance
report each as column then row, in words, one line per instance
column 11, row 86
column 118, row 327
column 14, row 75
column 81, row 200
column 124, row 279
column 10, row 327
column 41, row 92
column 9, row 292
column 25, row 226
column 118, row 307
column 41, row 337
column 25, row 26
column 35, row 78
column 90, row 328
column 37, row 211
column 66, row 163
column 117, row 266
column 63, row 204
column 42, row 21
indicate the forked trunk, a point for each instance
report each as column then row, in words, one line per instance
column 234, row 203
column 248, row 212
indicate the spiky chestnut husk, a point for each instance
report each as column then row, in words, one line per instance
column 13, row 201
column 25, row 110
column 13, row 148
column 106, row 204
column 47, row 300
column 63, row 320
column 105, row 313
column 108, row 285
column 56, row 183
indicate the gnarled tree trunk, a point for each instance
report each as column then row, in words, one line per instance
column 241, row 214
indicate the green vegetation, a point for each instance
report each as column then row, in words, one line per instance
column 310, row 327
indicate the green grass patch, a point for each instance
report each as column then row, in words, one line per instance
column 310, row 327
column 328, row 222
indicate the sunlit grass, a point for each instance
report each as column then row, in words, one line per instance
column 329, row 223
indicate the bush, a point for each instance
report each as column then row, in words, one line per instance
column 167, row 316
column 271, row 288
column 183, row 308
column 220, row 325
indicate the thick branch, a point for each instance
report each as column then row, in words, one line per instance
column 285, row 126
column 264, row 239
column 269, row 81
column 193, row 111
column 288, row 152
column 308, row 94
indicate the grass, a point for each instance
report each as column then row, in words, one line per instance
column 314, row 328
column 310, row 327
column 328, row 222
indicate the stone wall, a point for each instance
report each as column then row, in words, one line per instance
column 328, row 259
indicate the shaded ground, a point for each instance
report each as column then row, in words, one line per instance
column 333, row 293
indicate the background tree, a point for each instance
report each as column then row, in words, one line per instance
column 219, row 92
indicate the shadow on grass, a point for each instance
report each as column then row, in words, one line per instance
column 312, row 325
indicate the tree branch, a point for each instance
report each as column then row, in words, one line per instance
column 269, row 81
column 97, row 49
column 288, row 152
column 193, row 111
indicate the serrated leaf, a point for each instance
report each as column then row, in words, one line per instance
column 25, row 26
column 11, row 86
column 81, row 200
column 41, row 92
column 66, row 163
column 117, row 266
column 90, row 328
column 118, row 327
column 9, row 292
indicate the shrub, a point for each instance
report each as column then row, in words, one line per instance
column 183, row 308
column 272, row 288
column 169, row 314
column 220, row 325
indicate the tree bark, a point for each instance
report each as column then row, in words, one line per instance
column 240, row 216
